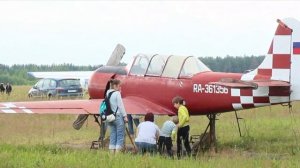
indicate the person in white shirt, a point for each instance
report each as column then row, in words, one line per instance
column 146, row 135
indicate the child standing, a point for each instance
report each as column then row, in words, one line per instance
column 167, row 133
column 183, row 126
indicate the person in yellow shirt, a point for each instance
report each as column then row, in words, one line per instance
column 183, row 125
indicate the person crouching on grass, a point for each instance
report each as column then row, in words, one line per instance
column 183, row 126
column 146, row 135
column 167, row 133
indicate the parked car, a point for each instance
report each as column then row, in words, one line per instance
column 50, row 87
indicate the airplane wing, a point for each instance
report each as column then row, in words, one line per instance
column 137, row 105
column 234, row 83
column 133, row 105
column 84, row 76
column 62, row 74
column 52, row 107
column 114, row 60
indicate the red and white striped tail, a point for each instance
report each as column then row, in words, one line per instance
column 283, row 59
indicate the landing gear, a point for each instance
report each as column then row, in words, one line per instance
column 207, row 140
column 100, row 142
column 212, row 131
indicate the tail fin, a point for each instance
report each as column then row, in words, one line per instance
column 283, row 59
column 116, row 55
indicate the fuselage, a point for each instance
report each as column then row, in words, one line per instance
column 200, row 95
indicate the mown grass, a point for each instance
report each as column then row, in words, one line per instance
column 270, row 139
column 56, row 156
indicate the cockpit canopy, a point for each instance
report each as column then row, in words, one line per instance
column 166, row 66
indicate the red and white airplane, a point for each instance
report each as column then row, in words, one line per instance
column 150, row 82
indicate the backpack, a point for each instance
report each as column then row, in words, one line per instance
column 106, row 113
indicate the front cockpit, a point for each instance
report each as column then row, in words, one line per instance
column 146, row 65
column 166, row 66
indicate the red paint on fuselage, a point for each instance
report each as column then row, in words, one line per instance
column 161, row 90
column 97, row 84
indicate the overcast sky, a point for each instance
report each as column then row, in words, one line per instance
column 85, row 33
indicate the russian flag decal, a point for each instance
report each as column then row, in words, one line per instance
column 296, row 48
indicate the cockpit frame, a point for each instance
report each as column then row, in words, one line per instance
column 167, row 66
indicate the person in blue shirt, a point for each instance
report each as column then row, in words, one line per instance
column 132, row 119
column 117, row 127
column 167, row 133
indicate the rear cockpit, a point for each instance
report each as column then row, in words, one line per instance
column 166, row 66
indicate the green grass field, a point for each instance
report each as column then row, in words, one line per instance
column 270, row 139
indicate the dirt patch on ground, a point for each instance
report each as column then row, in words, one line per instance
column 76, row 145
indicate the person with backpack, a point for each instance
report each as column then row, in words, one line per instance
column 117, row 126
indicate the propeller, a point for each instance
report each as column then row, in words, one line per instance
column 116, row 55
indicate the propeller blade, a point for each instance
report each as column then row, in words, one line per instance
column 116, row 55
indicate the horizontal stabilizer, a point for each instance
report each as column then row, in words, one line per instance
column 235, row 83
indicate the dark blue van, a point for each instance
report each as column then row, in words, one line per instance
column 50, row 87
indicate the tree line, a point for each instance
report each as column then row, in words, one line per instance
column 236, row 64
column 17, row 74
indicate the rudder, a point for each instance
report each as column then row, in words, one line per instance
column 283, row 59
